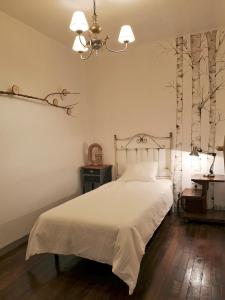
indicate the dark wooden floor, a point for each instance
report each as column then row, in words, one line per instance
column 182, row 261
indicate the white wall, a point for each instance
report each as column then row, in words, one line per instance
column 41, row 148
column 127, row 94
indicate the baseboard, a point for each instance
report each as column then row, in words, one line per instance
column 13, row 246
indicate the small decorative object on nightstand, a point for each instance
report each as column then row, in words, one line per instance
column 95, row 155
column 95, row 176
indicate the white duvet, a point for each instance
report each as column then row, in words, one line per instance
column 111, row 224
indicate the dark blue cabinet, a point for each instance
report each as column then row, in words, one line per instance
column 95, row 176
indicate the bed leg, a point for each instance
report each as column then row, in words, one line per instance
column 170, row 211
column 56, row 257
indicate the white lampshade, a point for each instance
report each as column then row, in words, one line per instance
column 79, row 22
column 77, row 46
column 126, row 35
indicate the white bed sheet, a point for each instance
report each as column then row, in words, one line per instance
column 111, row 224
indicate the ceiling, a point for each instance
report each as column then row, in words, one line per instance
column 151, row 19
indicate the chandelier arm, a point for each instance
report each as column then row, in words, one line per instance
column 85, row 46
column 116, row 51
column 85, row 58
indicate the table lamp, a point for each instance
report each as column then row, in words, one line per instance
column 195, row 152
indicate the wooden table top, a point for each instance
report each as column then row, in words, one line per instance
column 96, row 167
column 190, row 193
column 202, row 178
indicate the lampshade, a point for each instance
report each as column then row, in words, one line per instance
column 126, row 35
column 194, row 152
column 77, row 46
column 79, row 22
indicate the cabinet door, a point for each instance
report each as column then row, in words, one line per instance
column 195, row 205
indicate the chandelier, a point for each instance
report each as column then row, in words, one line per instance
column 94, row 43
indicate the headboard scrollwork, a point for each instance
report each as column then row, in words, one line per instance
column 141, row 147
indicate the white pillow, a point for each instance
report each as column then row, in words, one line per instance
column 141, row 171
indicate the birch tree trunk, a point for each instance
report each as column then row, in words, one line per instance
column 179, row 117
column 196, row 90
column 211, row 41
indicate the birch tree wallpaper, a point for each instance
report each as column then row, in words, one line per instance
column 200, row 107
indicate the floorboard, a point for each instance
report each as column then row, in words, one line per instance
column 182, row 261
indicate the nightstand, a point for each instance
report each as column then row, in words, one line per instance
column 95, row 176
column 193, row 201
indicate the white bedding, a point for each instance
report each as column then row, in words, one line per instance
column 111, row 224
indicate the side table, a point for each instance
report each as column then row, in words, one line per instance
column 194, row 204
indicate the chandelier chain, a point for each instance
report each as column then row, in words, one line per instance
column 95, row 8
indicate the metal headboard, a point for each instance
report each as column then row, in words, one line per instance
column 143, row 143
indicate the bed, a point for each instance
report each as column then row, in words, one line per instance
column 113, row 223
